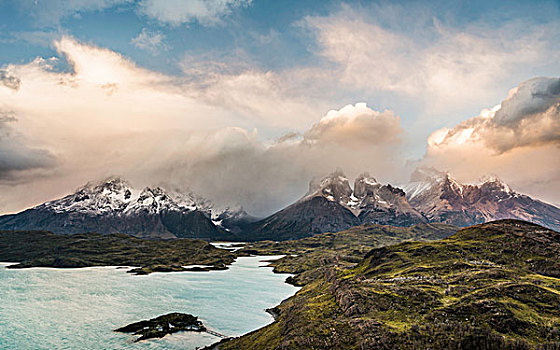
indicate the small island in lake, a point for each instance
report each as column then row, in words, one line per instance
column 160, row 326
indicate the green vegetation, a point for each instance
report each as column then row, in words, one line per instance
column 491, row 286
column 309, row 257
column 45, row 249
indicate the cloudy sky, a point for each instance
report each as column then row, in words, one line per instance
column 245, row 101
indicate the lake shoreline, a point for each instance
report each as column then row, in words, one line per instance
column 249, row 297
column 46, row 249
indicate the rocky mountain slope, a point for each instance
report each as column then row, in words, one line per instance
column 490, row 286
column 114, row 206
column 440, row 198
column 331, row 205
column 382, row 204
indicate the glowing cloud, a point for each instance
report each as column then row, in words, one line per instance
column 518, row 139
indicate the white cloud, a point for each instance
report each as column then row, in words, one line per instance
column 518, row 139
column 150, row 41
column 108, row 116
column 528, row 117
column 284, row 99
column 176, row 12
column 356, row 126
column 97, row 117
column 446, row 68
column 232, row 164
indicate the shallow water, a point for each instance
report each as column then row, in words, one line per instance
column 43, row 308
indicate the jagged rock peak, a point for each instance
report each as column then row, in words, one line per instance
column 334, row 187
column 364, row 185
column 112, row 183
column 424, row 178
column 366, row 177
column 495, row 182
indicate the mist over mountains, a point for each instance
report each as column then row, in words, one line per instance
column 331, row 204
column 114, row 206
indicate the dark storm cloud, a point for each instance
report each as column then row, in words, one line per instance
column 15, row 155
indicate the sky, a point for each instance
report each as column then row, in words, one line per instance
column 245, row 101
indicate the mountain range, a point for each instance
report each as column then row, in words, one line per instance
column 330, row 205
column 441, row 198
column 114, row 206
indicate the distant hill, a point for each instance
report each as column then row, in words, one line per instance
column 46, row 249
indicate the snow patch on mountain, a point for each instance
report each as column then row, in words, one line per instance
column 369, row 200
column 117, row 196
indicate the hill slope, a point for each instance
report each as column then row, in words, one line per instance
column 491, row 286
column 309, row 257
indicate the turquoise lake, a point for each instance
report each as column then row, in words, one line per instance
column 44, row 308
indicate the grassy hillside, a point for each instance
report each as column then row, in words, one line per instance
column 309, row 257
column 490, row 286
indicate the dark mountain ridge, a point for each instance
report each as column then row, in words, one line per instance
column 114, row 206
column 330, row 205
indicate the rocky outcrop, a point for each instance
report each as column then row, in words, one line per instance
column 382, row 204
column 161, row 326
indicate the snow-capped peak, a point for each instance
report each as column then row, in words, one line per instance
column 115, row 195
column 334, row 187
column 495, row 181
column 110, row 187
column 110, row 195
column 424, row 179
